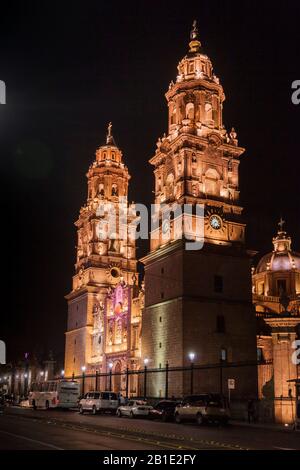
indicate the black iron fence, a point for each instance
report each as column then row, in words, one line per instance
column 193, row 378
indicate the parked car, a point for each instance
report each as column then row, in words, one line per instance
column 203, row 408
column 2, row 403
column 164, row 410
column 134, row 408
column 99, row 402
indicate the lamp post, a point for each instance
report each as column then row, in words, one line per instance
column 146, row 362
column 223, row 359
column 25, row 384
column 96, row 380
column 110, row 365
column 127, row 382
column 167, row 381
column 62, row 374
column 83, row 368
column 191, row 358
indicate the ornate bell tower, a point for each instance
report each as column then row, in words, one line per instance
column 199, row 300
column 105, row 258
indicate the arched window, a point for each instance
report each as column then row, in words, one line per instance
column 114, row 190
column 173, row 116
column 113, row 155
column 211, row 182
column 101, row 189
column 208, row 112
column 189, row 111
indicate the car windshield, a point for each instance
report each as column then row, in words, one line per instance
column 140, row 402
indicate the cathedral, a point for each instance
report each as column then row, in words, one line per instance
column 200, row 306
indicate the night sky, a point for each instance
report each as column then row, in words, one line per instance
column 70, row 68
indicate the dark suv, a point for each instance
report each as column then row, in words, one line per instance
column 164, row 410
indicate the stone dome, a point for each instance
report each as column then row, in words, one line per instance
column 282, row 258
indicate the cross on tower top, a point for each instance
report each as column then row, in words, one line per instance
column 281, row 224
column 109, row 136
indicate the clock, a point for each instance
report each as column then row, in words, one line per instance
column 215, row 222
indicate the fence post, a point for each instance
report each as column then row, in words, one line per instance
column 192, row 378
column 83, row 383
column 110, row 374
column 167, row 381
column 127, row 377
column 145, row 382
column 221, row 376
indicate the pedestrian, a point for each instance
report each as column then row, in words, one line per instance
column 251, row 411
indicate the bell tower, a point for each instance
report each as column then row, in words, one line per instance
column 105, row 257
column 199, row 300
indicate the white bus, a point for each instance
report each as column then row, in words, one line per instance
column 54, row 394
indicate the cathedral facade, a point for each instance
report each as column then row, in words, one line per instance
column 197, row 307
column 105, row 304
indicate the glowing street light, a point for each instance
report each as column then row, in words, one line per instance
column 192, row 356
column 62, row 373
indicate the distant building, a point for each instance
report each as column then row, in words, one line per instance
column 276, row 297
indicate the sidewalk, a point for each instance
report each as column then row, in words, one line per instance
column 270, row 426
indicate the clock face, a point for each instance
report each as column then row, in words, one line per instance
column 215, row 222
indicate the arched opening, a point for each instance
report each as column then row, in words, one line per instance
column 211, row 182
column 114, row 190
column 189, row 111
column 208, row 112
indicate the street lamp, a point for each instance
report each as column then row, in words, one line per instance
column 62, row 373
column 146, row 362
column 110, row 365
column 192, row 357
column 83, row 369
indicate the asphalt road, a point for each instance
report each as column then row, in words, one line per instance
column 22, row 429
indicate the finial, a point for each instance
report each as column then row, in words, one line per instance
column 281, row 224
column 109, row 137
column 194, row 30
column 194, row 44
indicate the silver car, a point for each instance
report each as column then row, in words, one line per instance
column 134, row 408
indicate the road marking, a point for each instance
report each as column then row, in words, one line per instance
column 283, row 448
column 31, row 440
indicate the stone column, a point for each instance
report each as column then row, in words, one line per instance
column 283, row 330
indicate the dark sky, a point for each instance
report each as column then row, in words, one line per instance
column 69, row 68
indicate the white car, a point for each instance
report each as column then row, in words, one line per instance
column 99, row 402
column 134, row 408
